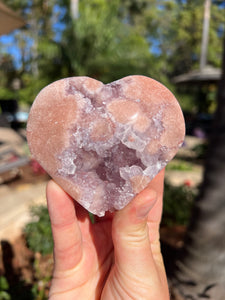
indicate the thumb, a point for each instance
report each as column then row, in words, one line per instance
column 130, row 234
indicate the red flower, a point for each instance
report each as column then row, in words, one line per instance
column 188, row 183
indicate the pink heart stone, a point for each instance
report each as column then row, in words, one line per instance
column 104, row 143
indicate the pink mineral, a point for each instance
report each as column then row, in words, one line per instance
column 104, row 143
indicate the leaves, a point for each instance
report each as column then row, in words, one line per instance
column 38, row 232
column 109, row 40
column 4, row 287
column 178, row 202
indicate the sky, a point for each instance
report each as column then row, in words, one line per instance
column 8, row 43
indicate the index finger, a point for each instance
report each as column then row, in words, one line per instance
column 65, row 228
column 157, row 184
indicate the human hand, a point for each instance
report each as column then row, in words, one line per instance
column 117, row 258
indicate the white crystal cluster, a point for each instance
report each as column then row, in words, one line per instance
column 104, row 143
column 105, row 155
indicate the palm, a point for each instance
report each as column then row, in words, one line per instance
column 104, row 259
column 97, row 254
column 98, row 265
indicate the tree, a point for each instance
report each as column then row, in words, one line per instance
column 97, row 43
column 7, row 74
column 110, row 39
column 100, row 44
column 33, row 42
column 181, row 39
column 200, row 272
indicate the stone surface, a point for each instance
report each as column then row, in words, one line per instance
column 104, row 143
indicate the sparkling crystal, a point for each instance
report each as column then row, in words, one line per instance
column 104, row 143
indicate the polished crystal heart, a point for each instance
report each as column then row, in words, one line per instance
column 104, row 143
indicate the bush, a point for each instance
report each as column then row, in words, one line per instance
column 179, row 166
column 178, row 203
column 4, row 287
column 38, row 232
column 200, row 150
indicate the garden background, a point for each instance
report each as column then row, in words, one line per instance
column 108, row 40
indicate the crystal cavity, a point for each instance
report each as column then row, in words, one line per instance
column 104, row 143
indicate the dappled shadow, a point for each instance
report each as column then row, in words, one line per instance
column 18, row 289
column 170, row 255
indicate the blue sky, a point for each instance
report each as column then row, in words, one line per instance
column 8, row 43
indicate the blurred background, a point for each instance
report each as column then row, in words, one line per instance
column 177, row 42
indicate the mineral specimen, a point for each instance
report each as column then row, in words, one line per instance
column 104, row 143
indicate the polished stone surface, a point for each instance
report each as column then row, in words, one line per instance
column 104, row 143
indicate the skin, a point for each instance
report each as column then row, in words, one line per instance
column 118, row 257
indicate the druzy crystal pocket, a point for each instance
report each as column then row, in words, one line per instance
column 104, row 143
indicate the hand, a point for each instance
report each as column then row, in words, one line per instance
column 117, row 258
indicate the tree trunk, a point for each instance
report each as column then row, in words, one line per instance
column 200, row 272
column 74, row 9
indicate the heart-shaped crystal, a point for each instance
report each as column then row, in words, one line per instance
column 104, row 143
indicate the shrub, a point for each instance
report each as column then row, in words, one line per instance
column 179, row 166
column 200, row 150
column 38, row 232
column 4, row 287
column 178, row 203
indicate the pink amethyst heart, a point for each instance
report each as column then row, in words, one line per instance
column 104, row 143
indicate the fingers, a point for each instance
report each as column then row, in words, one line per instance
column 157, row 184
column 65, row 228
column 130, row 230
column 136, row 232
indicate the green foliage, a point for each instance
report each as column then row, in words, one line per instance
column 38, row 292
column 178, row 203
column 40, row 287
column 200, row 150
column 38, row 232
column 98, row 44
column 187, row 101
column 4, row 287
column 6, row 93
column 179, row 166
column 31, row 88
column 181, row 39
column 108, row 40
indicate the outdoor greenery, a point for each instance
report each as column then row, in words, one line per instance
column 177, row 209
column 177, row 204
column 40, row 287
column 200, row 150
column 4, row 287
column 38, row 232
column 179, row 165
column 107, row 40
column 39, row 239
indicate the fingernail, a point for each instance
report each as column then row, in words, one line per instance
column 143, row 211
